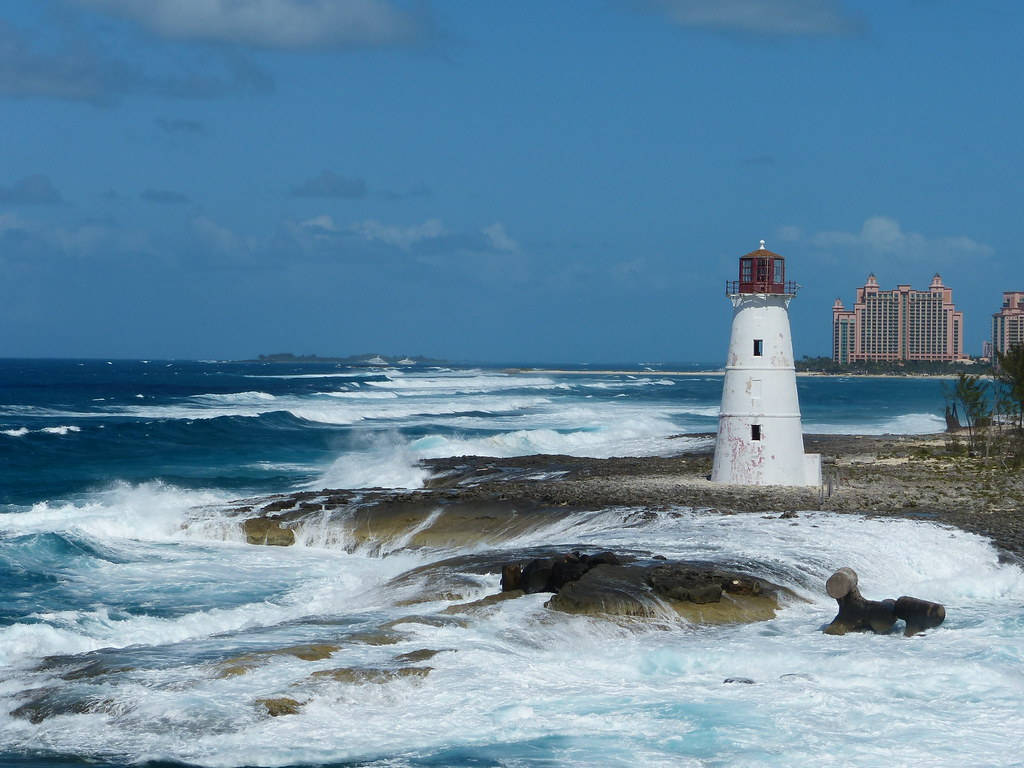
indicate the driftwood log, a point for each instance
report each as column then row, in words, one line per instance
column 857, row 614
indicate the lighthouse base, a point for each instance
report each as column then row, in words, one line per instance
column 763, row 450
column 811, row 475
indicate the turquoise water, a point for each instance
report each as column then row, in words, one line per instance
column 128, row 587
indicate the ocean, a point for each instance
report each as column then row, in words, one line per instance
column 138, row 627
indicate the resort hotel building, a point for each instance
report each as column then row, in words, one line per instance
column 1008, row 322
column 900, row 324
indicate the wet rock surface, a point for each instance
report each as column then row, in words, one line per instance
column 472, row 499
column 607, row 584
column 280, row 706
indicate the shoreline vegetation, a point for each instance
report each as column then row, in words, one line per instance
column 933, row 368
column 471, row 500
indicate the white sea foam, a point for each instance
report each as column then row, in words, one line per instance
column 469, row 382
column 22, row 431
column 382, row 460
column 572, row 689
column 235, row 397
column 904, row 424
column 624, row 383
column 61, row 430
column 362, row 395
column 150, row 511
column 389, row 460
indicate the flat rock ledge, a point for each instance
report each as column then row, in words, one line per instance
column 486, row 499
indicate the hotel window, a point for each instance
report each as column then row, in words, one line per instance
column 758, row 347
column 755, row 431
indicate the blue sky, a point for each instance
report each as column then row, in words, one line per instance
column 566, row 181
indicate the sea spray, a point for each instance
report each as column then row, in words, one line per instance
column 518, row 681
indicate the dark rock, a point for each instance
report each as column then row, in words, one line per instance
column 536, row 575
column 685, row 584
column 511, row 577
column 919, row 614
column 551, row 574
column 280, row 505
column 744, row 680
column 619, row 590
column 858, row 614
column 569, row 568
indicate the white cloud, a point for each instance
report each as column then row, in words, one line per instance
column 498, row 237
column 216, row 236
column 794, row 18
column 321, row 223
column 402, row 237
column 884, row 236
column 271, row 23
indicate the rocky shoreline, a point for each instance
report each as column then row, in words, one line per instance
column 907, row 476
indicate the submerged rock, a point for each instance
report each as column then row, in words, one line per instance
column 241, row 665
column 375, row 675
column 423, row 654
column 280, row 706
column 57, row 701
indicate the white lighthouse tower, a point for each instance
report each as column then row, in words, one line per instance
column 760, row 439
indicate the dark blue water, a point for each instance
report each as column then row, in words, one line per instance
column 68, row 427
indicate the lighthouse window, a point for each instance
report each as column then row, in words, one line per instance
column 746, row 270
column 777, row 264
column 755, row 431
column 758, row 347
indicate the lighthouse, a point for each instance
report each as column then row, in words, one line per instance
column 760, row 439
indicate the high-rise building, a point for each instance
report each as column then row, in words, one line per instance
column 1008, row 322
column 900, row 324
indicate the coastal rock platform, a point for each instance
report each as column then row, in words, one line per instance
column 479, row 500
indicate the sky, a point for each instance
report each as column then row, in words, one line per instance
column 476, row 180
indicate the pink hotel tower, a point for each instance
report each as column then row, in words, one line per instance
column 900, row 324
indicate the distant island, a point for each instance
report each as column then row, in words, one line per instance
column 368, row 358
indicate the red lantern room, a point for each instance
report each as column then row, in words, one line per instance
column 761, row 271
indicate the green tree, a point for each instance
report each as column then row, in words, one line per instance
column 971, row 392
column 1010, row 373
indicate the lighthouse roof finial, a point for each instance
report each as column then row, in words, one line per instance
column 762, row 245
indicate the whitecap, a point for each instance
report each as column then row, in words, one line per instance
column 61, row 430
